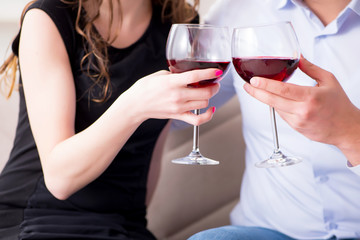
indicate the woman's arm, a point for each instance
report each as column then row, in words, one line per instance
column 70, row 161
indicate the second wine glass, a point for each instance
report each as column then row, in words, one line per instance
column 197, row 46
column 270, row 51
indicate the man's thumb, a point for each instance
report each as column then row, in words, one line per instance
column 313, row 71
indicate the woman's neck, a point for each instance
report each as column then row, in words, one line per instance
column 130, row 21
column 327, row 10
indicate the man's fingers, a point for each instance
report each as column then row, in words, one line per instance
column 293, row 91
column 285, row 90
column 274, row 100
column 320, row 75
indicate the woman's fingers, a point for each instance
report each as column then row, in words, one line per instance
column 195, row 76
column 194, row 119
column 167, row 95
column 202, row 92
column 190, row 105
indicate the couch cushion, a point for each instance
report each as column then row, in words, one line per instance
column 187, row 195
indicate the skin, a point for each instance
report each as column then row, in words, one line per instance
column 71, row 161
column 135, row 19
column 306, row 109
column 327, row 10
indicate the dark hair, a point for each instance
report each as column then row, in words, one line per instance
column 175, row 11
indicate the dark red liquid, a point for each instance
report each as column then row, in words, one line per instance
column 179, row 66
column 275, row 68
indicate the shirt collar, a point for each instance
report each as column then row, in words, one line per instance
column 354, row 4
column 281, row 4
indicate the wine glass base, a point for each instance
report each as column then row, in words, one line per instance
column 278, row 159
column 195, row 158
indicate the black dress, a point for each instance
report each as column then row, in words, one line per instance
column 113, row 205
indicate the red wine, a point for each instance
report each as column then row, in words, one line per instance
column 276, row 68
column 179, row 66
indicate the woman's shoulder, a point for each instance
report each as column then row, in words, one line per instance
column 62, row 14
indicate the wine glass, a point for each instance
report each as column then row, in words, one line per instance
column 270, row 51
column 197, row 46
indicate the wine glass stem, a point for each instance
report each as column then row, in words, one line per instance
column 274, row 130
column 196, row 134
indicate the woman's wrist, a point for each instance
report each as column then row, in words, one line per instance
column 130, row 106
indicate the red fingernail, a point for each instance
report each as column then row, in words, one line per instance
column 218, row 73
column 213, row 109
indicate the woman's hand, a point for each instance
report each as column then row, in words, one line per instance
column 167, row 95
column 322, row 113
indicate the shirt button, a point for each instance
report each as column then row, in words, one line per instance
column 323, row 179
column 332, row 226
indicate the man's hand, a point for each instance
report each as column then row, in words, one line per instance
column 322, row 113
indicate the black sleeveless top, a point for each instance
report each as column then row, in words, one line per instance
column 113, row 205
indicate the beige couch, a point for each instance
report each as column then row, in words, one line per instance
column 187, row 198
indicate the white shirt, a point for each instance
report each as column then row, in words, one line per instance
column 319, row 197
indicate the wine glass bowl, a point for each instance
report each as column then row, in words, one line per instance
column 197, row 46
column 276, row 68
column 271, row 51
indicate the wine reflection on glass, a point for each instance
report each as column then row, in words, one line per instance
column 269, row 51
column 197, row 46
